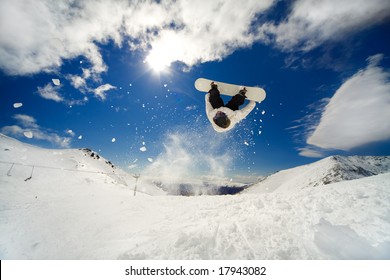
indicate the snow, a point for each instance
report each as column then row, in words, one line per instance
column 18, row 105
column 143, row 149
column 326, row 171
column 77, row 206
column 28, row 134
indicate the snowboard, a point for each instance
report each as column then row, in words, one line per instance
column 253, row 93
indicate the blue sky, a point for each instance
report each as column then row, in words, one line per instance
column 118, row 77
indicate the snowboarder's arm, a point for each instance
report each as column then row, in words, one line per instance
column 209, row 108
column 247, row 109
column 207, row 100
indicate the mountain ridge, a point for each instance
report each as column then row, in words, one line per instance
column 327, row 171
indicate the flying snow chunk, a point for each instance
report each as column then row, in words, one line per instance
column 80, row 137
column 150, row 159
column 18, row 105
column 56, row 82
column 28, row 134
column 263, row 112
column 113, row 140
column 70, row 132
column 143, row 149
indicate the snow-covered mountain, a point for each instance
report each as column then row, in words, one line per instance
column 73, row 204
column 324, row 172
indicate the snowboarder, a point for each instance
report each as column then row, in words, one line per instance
column 225, row 117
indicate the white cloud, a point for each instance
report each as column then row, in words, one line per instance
column 100, row 92
column 311, row 23
column 38, row 36
column 26, row 120
column 27, row 127
column 359, row 111
column 311, row 152
column 78, row 82
column 50, row 92
column 208, row 30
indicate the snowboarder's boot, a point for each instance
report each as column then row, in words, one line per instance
column 243, row 92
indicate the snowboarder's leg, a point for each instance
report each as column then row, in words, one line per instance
column 215, row 97
column 237, row 100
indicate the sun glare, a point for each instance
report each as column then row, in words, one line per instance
column 158, row 62
column 163, row 53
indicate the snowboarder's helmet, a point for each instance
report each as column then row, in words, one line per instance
column 221, row 119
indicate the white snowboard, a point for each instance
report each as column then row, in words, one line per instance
column 253, row 93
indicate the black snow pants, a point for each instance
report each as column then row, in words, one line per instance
column 217, row 102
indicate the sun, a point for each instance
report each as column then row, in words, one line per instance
column 157, row 61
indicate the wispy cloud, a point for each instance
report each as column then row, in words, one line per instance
column 100, row 92
column 311, row 152
column 311, row 23
column 54, row 93
column 50, row 92
column 27, row 127
column 359, row 111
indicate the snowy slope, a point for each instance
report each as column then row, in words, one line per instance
column 329, row 170
column 62, row 214
column 63, row 167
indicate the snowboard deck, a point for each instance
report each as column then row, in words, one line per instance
column 253, row 93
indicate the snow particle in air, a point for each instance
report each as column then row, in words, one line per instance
column 18, row 105
column 28, row 134
column 143, row 149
